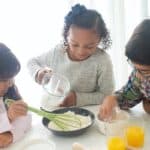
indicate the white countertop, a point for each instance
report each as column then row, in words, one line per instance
column 39, row 138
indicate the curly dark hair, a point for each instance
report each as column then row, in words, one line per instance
column 82, row 17
column 9, row 64
column 138, row 46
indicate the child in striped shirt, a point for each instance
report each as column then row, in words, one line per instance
column 137, row 88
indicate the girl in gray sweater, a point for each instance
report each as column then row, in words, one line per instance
column 87, row 66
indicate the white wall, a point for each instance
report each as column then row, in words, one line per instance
column 30, row 27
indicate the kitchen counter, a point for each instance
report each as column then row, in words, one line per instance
column 39, row 137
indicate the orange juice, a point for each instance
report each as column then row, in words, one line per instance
column 116, row 143
column 135, row 136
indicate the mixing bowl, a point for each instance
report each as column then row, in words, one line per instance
column 116, row 126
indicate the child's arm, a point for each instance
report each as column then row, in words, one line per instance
column 4, row 121
column 17, row 128
column 6, row 137
column 130, row 95
column 20, row 121
column 37, row 63
column 125, row 98
column 20, row 126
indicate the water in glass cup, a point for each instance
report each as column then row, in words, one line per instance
column 56, row 87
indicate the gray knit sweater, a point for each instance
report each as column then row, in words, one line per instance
column 91, row 79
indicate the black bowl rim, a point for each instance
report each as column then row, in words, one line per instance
column 45, row 121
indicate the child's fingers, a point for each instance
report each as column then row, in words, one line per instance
column 40, row 77
column 41, row 74
column 63, row 104
column 18, row 108
column 19, row 102
column 102, row 112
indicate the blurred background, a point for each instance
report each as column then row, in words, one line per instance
column 30, row 27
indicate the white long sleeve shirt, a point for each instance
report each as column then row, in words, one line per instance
column 18, row 128
column 91, row 79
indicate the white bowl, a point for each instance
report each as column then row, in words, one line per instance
column 116, row 126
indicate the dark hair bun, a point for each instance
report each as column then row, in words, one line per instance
column 75, row 11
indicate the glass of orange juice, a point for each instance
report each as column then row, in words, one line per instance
column 135, row 133
column 134, row 136
column 116, row 143
column 114, row 130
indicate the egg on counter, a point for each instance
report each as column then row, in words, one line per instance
column 78, row 146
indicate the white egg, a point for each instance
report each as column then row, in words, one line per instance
column 77, row 146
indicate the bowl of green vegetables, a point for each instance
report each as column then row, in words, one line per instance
column 73, row 121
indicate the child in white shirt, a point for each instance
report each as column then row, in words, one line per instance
column 14, row 121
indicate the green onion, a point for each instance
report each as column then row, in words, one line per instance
column 63, row 121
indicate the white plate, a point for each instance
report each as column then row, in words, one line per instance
column 38, row 144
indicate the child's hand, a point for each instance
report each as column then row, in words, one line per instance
column 107, row 107
column 40, row 74
column 17, row 109
column 5, row 139
column 70, row 100
column 146, row 105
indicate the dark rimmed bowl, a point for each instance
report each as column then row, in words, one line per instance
column 76, row 110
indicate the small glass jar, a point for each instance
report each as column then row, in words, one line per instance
column 56, row 88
